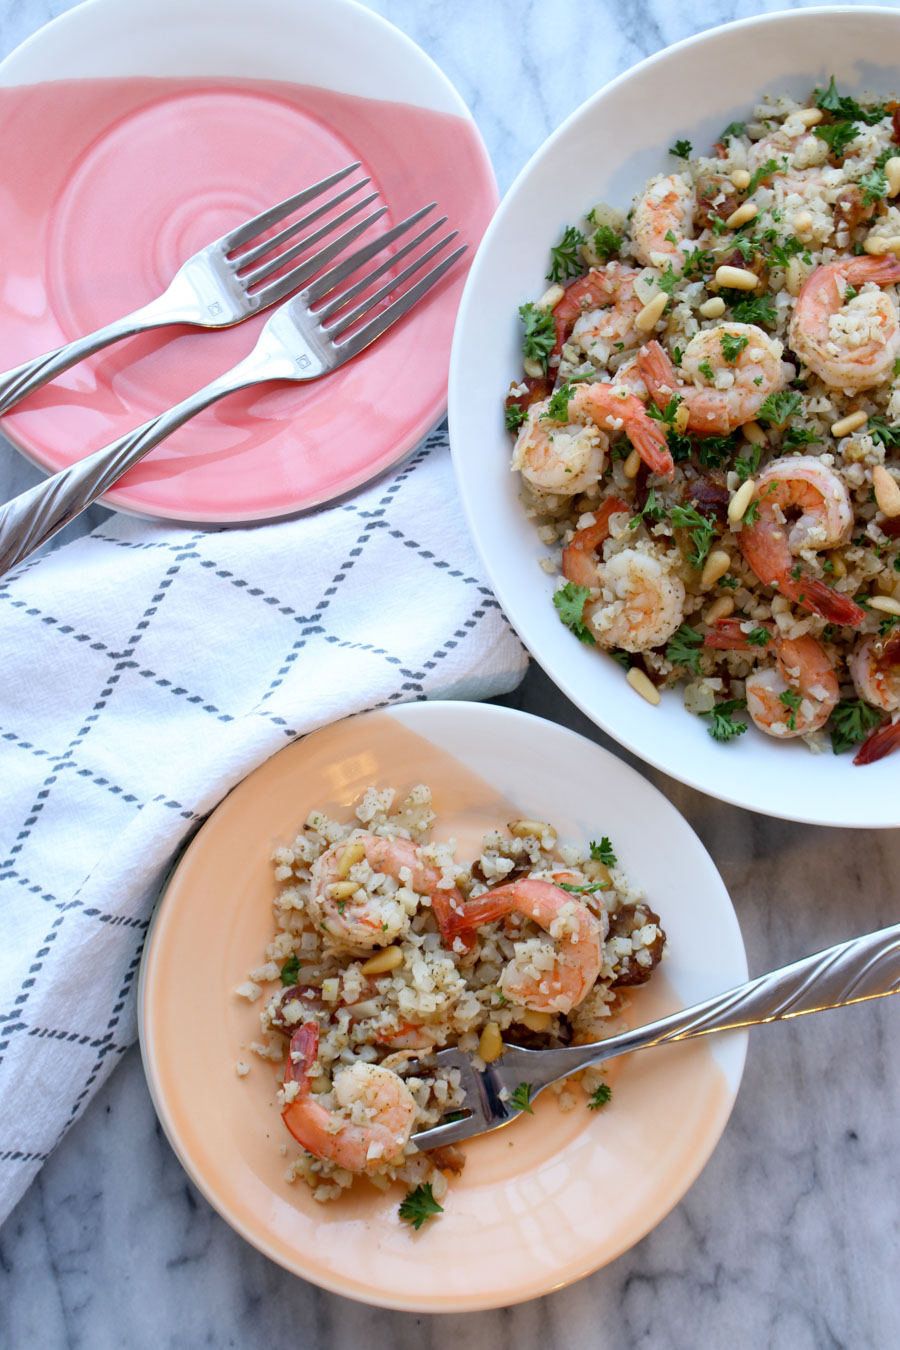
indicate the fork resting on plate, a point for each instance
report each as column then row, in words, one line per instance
column 310, row 335
column 865, row 967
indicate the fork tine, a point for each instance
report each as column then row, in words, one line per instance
column 242, row 234
column 452, row 1132
column 346, row 321
column 260, row 250
column 389, row 316
column 324, row 284
column 248, row 279
column 282, row 286
column 338, row 303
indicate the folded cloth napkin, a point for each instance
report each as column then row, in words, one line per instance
column 147, row 669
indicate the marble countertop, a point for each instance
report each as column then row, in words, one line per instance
column 788, row 1237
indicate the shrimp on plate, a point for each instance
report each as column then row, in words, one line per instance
column 875, row 668
column 848, row 336
column 641, row 600
column 802, row 505
column 539, row 978
column 358, row 918
column 662, row 221
column 795, row 696
column 598, row 310
column 372, row 1117
column 726, row 374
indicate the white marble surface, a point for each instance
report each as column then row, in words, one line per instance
column 789, row 1237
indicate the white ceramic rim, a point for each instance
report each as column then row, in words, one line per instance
column 870, row 802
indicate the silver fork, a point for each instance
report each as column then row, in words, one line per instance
column 297, row 343
column 866, row 967
column 216, row 288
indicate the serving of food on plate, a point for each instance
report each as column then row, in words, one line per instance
column 708, row 418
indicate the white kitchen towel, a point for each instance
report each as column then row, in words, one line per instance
column 146, row 669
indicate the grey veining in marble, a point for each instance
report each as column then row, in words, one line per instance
column 789, row 1237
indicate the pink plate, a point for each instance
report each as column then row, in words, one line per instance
column 128, row 141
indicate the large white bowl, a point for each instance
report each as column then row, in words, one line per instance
column 605, row 152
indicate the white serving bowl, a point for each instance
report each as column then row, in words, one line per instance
column 606, row 151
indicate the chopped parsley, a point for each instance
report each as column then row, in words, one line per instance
column 599, row 1097
column 605, row 242
column 888, row 436
column 733, row 129
column 746, row 465
column 702, row 529
column 419, row 1205
column 539, row 337
column 751, row 309
column 589, row 888
column 603, row 852
column 651, row 510
column 565, row 260
column 698, row 263
column 669, row 279
column 829, row 100
column 681, row 149
column 791, row 700
column 290, row 971
column 887, row 623
column 685, row 647
column 521, row 1098
column 732, row 345
column 777, row 408
column 874, row 185
column 569, row 601
column 837, row 136
column 712, row 451
column 759, row 637
column 765, row 170
column 751, row 515
column 795, row 436
column 851, row 722
column 706, row 369
column 558, row 405
column 723, row 724
column 514, row 416
column 782, row 253
column 666, row 414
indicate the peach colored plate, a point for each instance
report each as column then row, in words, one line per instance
column 132, row 133
column 540, row 1203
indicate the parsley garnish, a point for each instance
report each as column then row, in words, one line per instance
column 681, row 149
column 791, row 700
column 666, row 414
column 419, row 1205
column 684, row 648
column 606, row 242
column 599, row 1097
column 837, row 136
column 565, row 261
column 514, row 416
column 697, row 264
column 521, row 1098
column 829, row 100
column 888, row 436
column 733, row 129
column 851, row 722
column 723, row 726
column 799, row 436
column 777, row 408
column 751, row 515
column 702, row 528
column 669, row 279
column 765, row 170
column 558, row 405
column 569, row 601
column 746, row 465
column 603, row 852
column 751, row 309
column 589, row 888
column 732, row 345
column 651, row 510
column 759, row 637
column 539, row 337
column 290, row 971
column 887, row 623
column 874, row 184
column 706, row 369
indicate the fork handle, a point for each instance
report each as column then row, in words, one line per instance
column 865, row 967
column 30, row 519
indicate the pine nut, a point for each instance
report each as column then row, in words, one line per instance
column 535, row 1021
column 681, row 418
column 838, row 566
column 388, row 959
column 651, row 314
column 887, row 491
column 892, row 174
column 719, row 609
column 741, row 178
column 632, row 465
column 885, row 603
column 552, row 296
column 793, row 277
column 643, row 685
column 532, row 367
column 342, row 890
column 876, row 244
column 352, row 853
column 716, row 565
column 852, row 422
column 740, row 501
column 803, row 222
column 754, row 433
column 810, row 117
column 523, row 828
column 713, row 308
column 490, row 1043
column 746, row 211
column 736, row 278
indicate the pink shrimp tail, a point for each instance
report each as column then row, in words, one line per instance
column 880, row 742
column 883, row 271
column 727, row 634
column 814, row 595
column 446, row 912
column 302, row 1054
column 577, row 563
column 649, row 440
column 659, row 374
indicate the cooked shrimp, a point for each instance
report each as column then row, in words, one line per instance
column 795, row 696
column 875, row 668
column 605, row 298
column 374, row 1115
column 543, row 980
column 664, row 208
column 561, row 457
column 802, row 505
column 739, row 385
column 641, row 600
column 613, row 408
column 368, row 919
column 849, row 343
